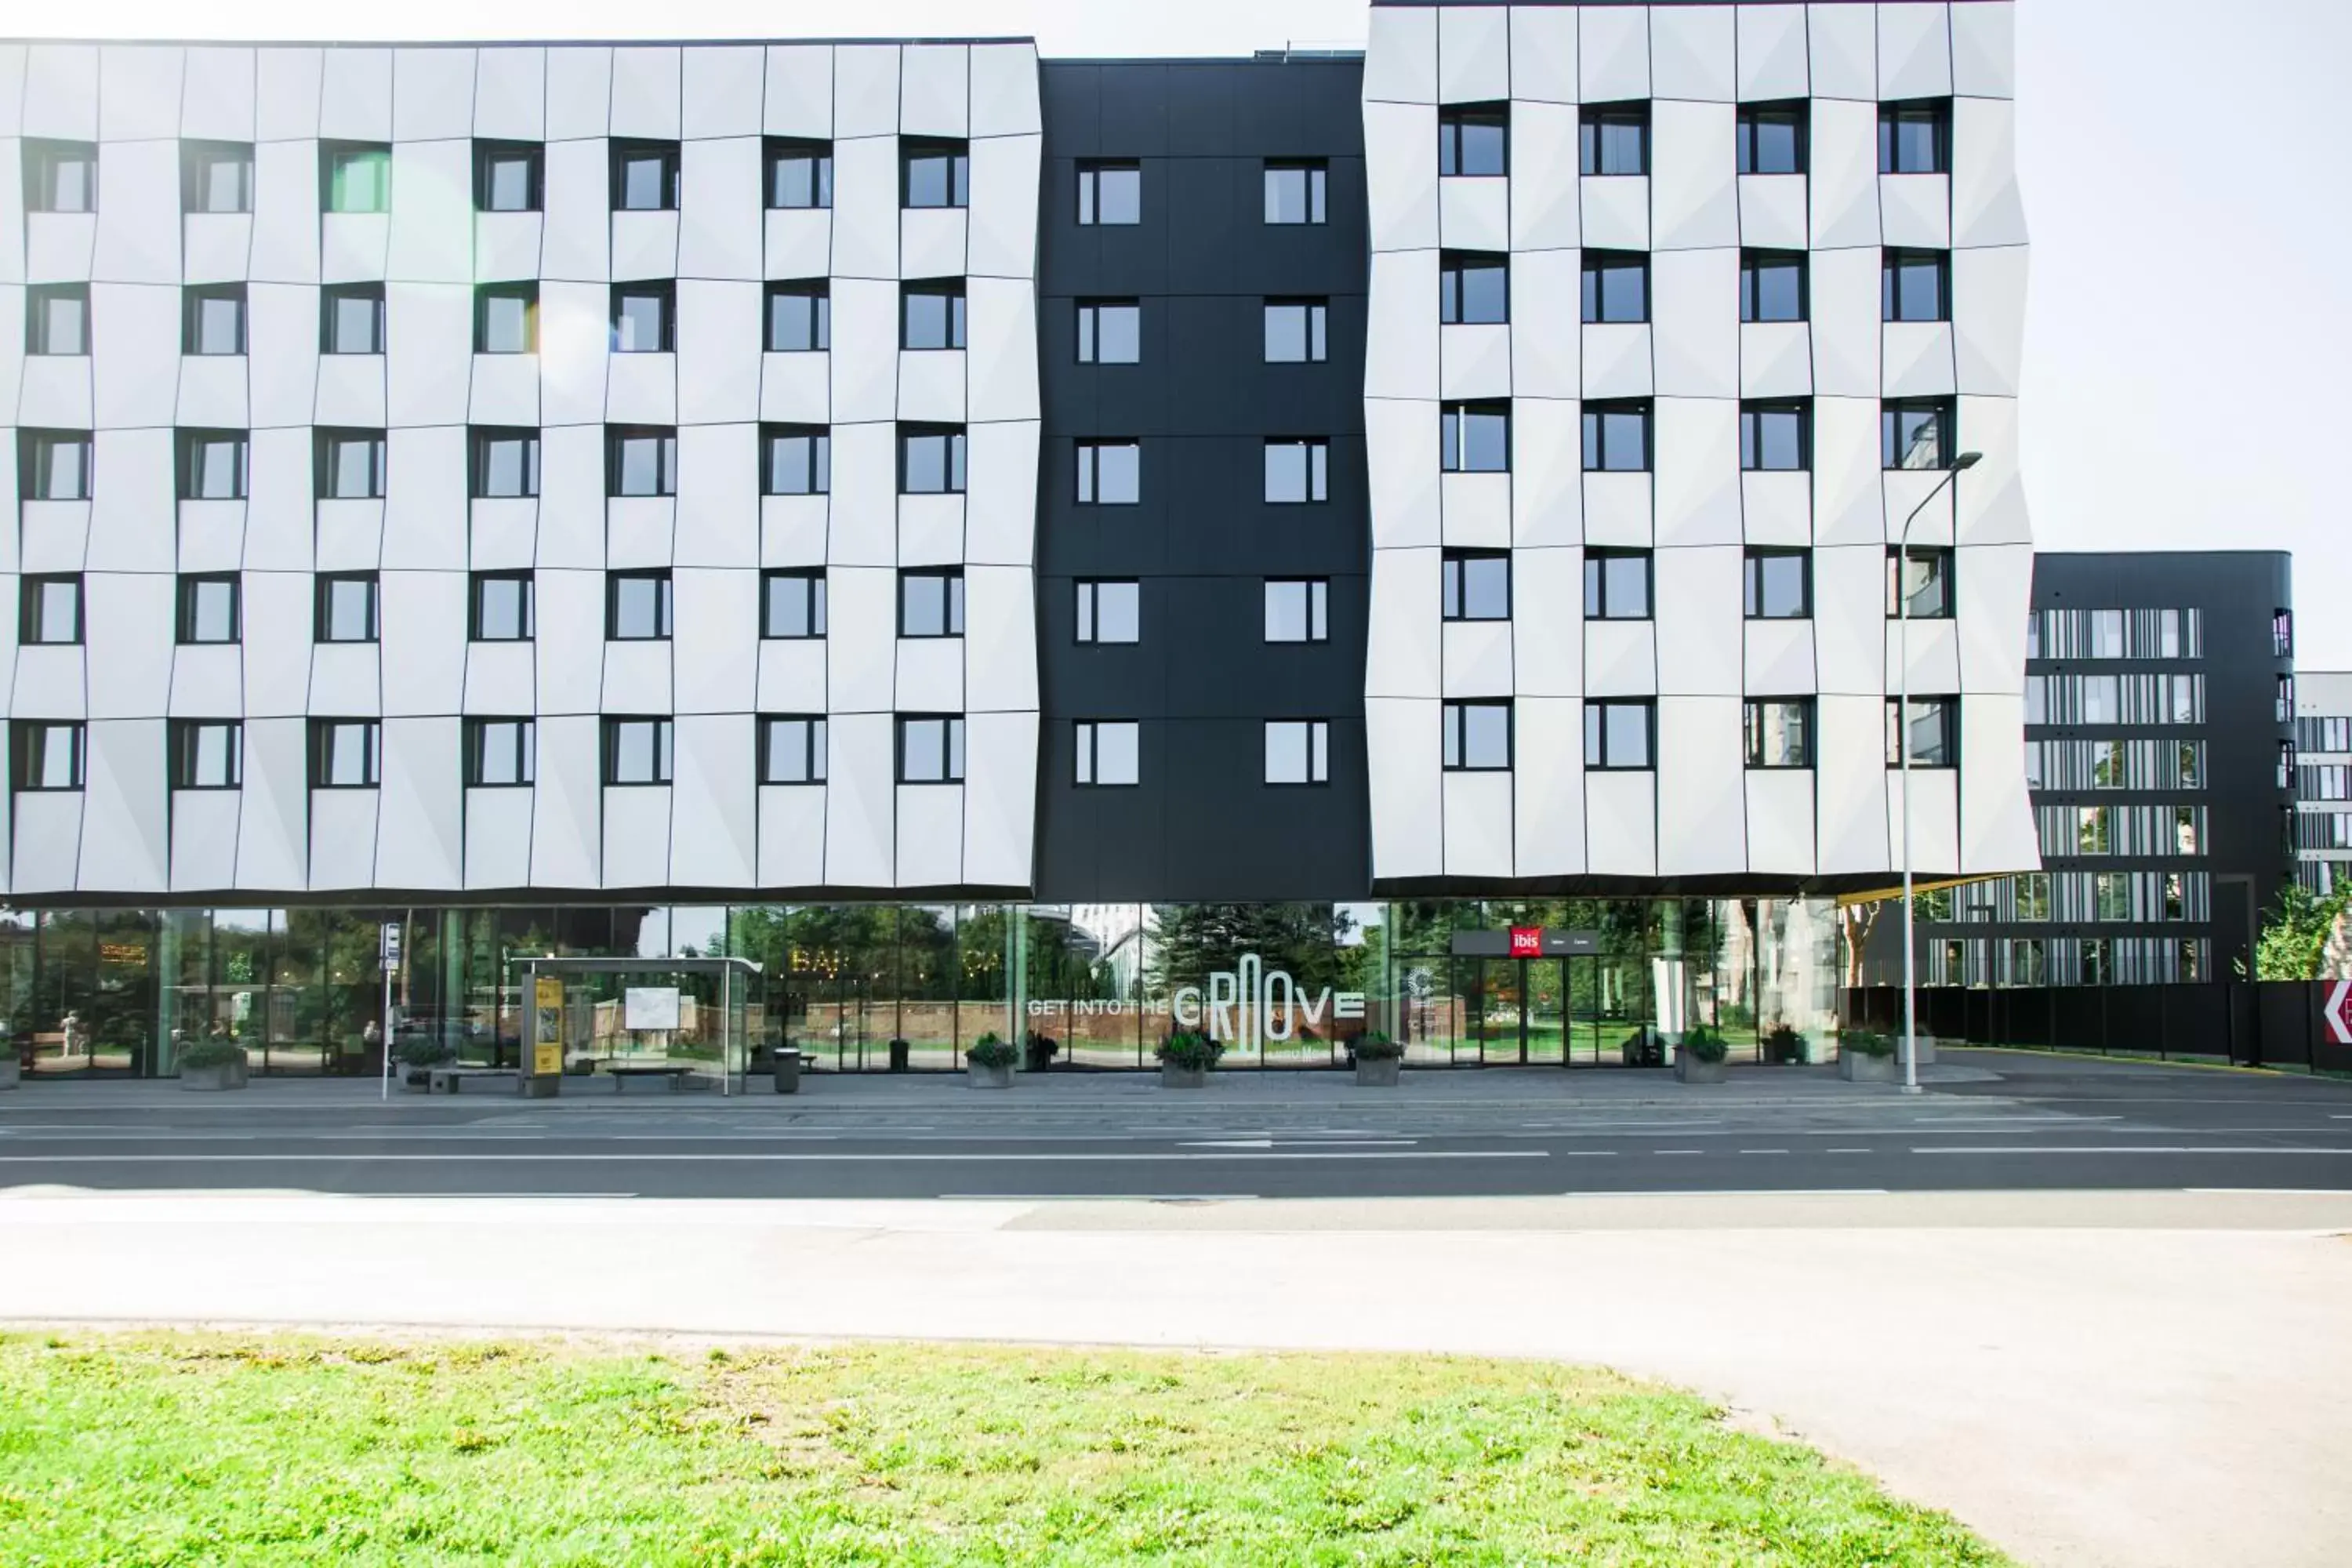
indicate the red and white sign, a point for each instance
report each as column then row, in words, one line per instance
column 1527, row 941
column 2337, row 1011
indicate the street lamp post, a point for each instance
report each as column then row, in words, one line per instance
column 1903, row 756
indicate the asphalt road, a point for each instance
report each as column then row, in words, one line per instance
column 1998, row 1121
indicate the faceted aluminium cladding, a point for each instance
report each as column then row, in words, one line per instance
column 1680, row 364
column 397, row 130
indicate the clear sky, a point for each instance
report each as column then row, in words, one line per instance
column 2186, row 183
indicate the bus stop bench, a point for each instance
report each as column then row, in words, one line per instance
column 621, row 1074
column 481, row 1081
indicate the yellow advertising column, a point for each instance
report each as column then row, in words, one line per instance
column 542, row 1064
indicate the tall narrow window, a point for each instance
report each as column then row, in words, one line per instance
column 212, row 465
column 57, row 319
column 931, row 459
column 1110, row 331
column 1772, row 285
column 1775, row 436
column 53, row 464
column 1613, row 139
column 1916, row 433
column 1298, row 752
column 1297, row 332
column 1297, row 470
column 48, row 609
column 791, row 602
column 1915, row 138
column 345, row 753
column 1915, row 286
column 1934, row 731
column 799, row 173
column 1111, row 473
column 501, row 754
column 1772, row 138
column 1621, row 735
column 1779, row 732
column 1477, row 736
column 506, row 319
column 345, row 609
column 795, row 460
column 1780, row 584
column 504, row 462
column 931, row 603
column 1474, row 139
column 636, row 606
column 351, row 318
column 640, row 460
column 645, row 318
column 1109, row 611
column 61, row 176
column 645, row 176
column 206, row 753
column 1616, row 286
column 212, row 318
column 936, row 173
column 1472, row 287
column 930, row 749
column 209, row 609
column 1923, row 575
column 792, row 750
column 501, row 606
column 1106, row 755
column 1616, row 437
column 1295, row 191
column 1110, row 194
column 507, row 177
column 1475, row 585
column 931, row 314
column 354, row 177
column 1617, row 584
column 637, row 751
column 351, row 465
column 216, row 177
column 800, row 316
column 1297, row 609
column 45, row 754
column 1474, row 438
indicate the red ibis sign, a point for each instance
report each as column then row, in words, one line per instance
column 2337, row 1011
column 1527, row 941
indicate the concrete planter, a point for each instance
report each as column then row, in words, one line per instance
column 1690, row 1069
column 1856, row 1067
column 229, row 1075
column 1926, row 1050
column 1183, row 1078
column 1377, row 1072
column 990, row 1077
column 12, row 1072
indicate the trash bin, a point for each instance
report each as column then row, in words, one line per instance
column 788, row 1070
column 898, row 1058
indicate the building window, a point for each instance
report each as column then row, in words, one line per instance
column 930, row 749
column 800, row 173
column 501, row 754
column 1780, row 584
column 1915, row 138
column 800, row 316
column 1776, row 437
column 931, row 603
column 212, row 465
column 931, row 314
column 1473, row 287
column 500, row 607
column 53, row 464
column 1620, row 735
column 1111, row 473
column 645, row 318
column 1110, row 331
column 45, row 755
column 1110, row 194
column 506, row 319
column 1475, row 585
column 2282, row 633
column 212, row 318
column 1772, row 285
column 645, row 176
column 1924, row 575
column 57, row 319
column 346, row 754
column 1110, row 612
column 1297, row 470
column 2283, row 705
column 1474, row 438
column 351, row 318
column 1915, row 286
column 351, row 465
column 1934, row 732
column 346, row 608
column 1916, row 433
column 1616, row 286
column 61, row 176
column 1298, row 752
column 1293, row 191
column 1297, row 331
column 1297, row 609
column 1616, row 585
column 792, row 750
column 637, row 607
column 48, row 610
column 210, row 609
column 206, row 754
column 640, row 460
column 354, row 177
column 791, row 603
column 1617, row 436
column 505, row 463
column 1779, row 732
column 937, row 173
column 796, row 460
column 1772, row 138
column 1474, row 139
column 1107, row 754
column 931, row 459
column 1613, row 139
column 1477, row 736
column 507, row 176
column 636, row 750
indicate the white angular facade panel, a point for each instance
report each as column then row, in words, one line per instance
column 420, row 821
column 1473, row 53
column 1694, row 342
column 1621, row 823
column 714, row 831
column 286, row 98
column 1476, row 812
column 355, row 95
column 1698, row 492
column 1841, row 151
column 1702, row 804
column 1401, row 59
column 1915, row 50
column 431, row 94
column 1408, row 810
column 1694, row 193
column 1843, row 43
column 510, row 94
column 1548, row 778
column 1612, row 53
column 721, row 89
column 1692, row 53
column 1546, row 192
column 579, row 93
column 1401, row 175
column 1772, row 47
column 1546, row 358
column 1987, row 208
column 1003, row 92
column 125, row 841
column 217, row 95
column 1989, row 316
column 1984, row 51
column 1698, row 643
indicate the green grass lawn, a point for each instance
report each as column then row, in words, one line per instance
column 192, row 1450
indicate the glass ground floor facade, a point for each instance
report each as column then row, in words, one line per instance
column 867, row 987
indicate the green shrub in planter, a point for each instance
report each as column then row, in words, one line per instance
column 1703, row 1044
column 1372, row 1045
column 207, row 1054
column 991, row 1050
column 1190, row 1050
column 1867, row 1042
column 423, row 1051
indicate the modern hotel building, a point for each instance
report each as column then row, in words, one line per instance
column 980, row 536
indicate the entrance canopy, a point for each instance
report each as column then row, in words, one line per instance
column 617, row 1016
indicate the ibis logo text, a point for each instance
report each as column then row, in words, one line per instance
column 1270, row 1004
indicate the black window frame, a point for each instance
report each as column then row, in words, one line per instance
column 187, row 610
column 1085, row 753
column 478, row 585
column 1597, row 711
column 1454, row 435
column 1596, row 583
column 1088, row 473
column 1455, row 118
column 1593, row 434
column 1086, row 621
column 1897, row 733
column 322, row 607
column 954, row 318
column 29, row 743
column 524, row 291
column 1594, row 270
column 955, row 455
column 1454, row 583
column 664, row 761
column 1453, row 297
column 525, row 741
column 1753, row 261
column 334, row 156
column 951, row 747
column 662, row 291
column 1897, row 263
column 957, row 151
column 1090, row 338
column 32, row 619
column 1319, row 746
column 1090, row 193
column 321, row 751
column 1753, row 411
column 1454, row 735
column 775, row 152
column 950, row 606
column 1753, row 575
column 42, row 157
column 818, row 294
column 326, row 438
column 1890, row 450
column 1943, row 558
column 32, row 473
column 334, row 294
column 488, row 152
column 815, row 749
column 184, row 752
column 1936, row 112
column 813, row 601
column 1752, row 733
column 1315, row 176
column 189, row 441
column 1316, row 326
column 623, row 151
column 1593, row 119
column 1316, row 455
column 1316, row 605
column 616, row 439
column 481, row 439
column 1796, row 113
column 194, row 298
column 665, row 604
column 817, row 457
column 39, row 338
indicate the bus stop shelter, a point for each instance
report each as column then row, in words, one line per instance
column 687, row 1019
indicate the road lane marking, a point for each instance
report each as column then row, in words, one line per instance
column 767, row 1158
column 1845, row 1151
column 1763, row 1151
column 2117, row 1149
column 1677, row 1150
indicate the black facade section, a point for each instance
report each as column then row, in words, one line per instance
column 1200, row 823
